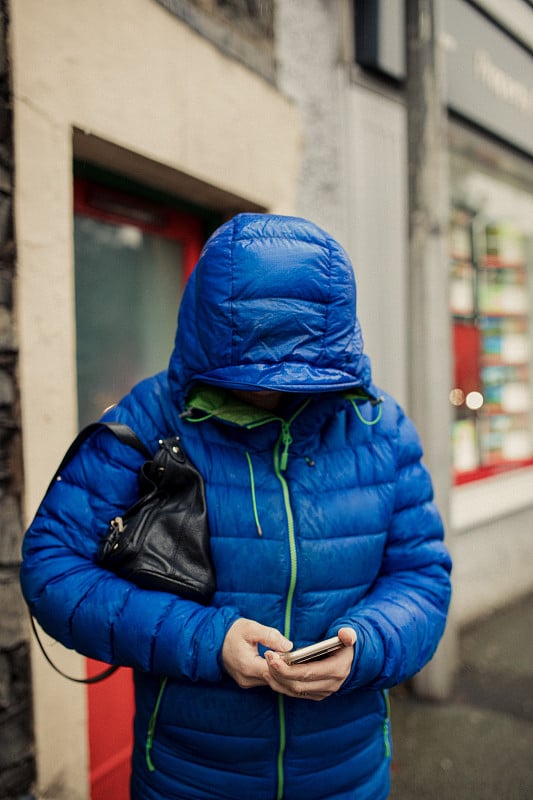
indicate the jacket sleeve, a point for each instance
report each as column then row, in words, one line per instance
column 400, row 621
column 90, row 609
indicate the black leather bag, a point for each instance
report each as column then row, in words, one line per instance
column 162, row 541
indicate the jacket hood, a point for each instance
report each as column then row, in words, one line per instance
column 271, row 304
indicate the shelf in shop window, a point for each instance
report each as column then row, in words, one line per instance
column 505, row 314
column 490, row 470
column 466, row 318
column 493, row 262
column 498, row 463
column 489, row 361
column 486, row 411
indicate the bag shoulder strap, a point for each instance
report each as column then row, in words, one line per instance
column 94, row 679
column 127, row 436
column 123, row 433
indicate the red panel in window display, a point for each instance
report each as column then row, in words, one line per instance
column 467, row 348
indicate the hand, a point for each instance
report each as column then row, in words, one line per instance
column 240, row 655
column 313, row 680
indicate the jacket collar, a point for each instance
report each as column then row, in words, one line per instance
column 207, row 402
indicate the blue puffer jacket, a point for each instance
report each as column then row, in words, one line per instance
column 320, row 515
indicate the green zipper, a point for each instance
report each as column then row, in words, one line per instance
column 151, row 726
column 288, row 604
column 280, row 465
column 386, row 724
column 281, row 457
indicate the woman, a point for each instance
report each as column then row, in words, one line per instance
column 321, row 521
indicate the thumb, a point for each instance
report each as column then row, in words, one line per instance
column 347, row 636
column 273, row 639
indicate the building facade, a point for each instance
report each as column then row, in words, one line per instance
column 129, row 131
column 356, row 178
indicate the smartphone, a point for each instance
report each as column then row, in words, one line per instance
column 313, row 651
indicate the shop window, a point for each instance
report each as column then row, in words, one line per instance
column 491, row 245
column 380, row 37
column 132, row 257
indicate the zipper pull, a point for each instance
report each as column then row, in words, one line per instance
column 286, row 438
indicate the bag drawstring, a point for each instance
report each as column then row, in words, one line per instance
column 254, row 501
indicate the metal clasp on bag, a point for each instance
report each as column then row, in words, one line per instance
column 173, row 449
column 117, row 525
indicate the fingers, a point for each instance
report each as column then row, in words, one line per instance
column 272, row 638
column 317, row 690
column 311, row 681
column 240, row 654
column 314, row 680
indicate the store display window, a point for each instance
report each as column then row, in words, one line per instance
column 491, row 302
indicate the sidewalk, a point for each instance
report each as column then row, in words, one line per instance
column 479, row 745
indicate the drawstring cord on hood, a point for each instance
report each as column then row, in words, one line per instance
column 254, row 502
column 360, row 416
column 188, row 415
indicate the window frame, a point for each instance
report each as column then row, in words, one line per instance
column 101, row 202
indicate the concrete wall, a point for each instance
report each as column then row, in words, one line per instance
column 242, row 29
column 131, row 87
column 353, row 179
column 376, row 201
column 307, row 35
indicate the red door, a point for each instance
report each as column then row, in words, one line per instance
column 124, row 239
column 110, row 733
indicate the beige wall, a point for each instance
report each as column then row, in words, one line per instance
column 129, row 86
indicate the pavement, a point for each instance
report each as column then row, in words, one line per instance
column 478, row 745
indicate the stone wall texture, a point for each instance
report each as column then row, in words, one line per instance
column 241, row 29
column 16, row 737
